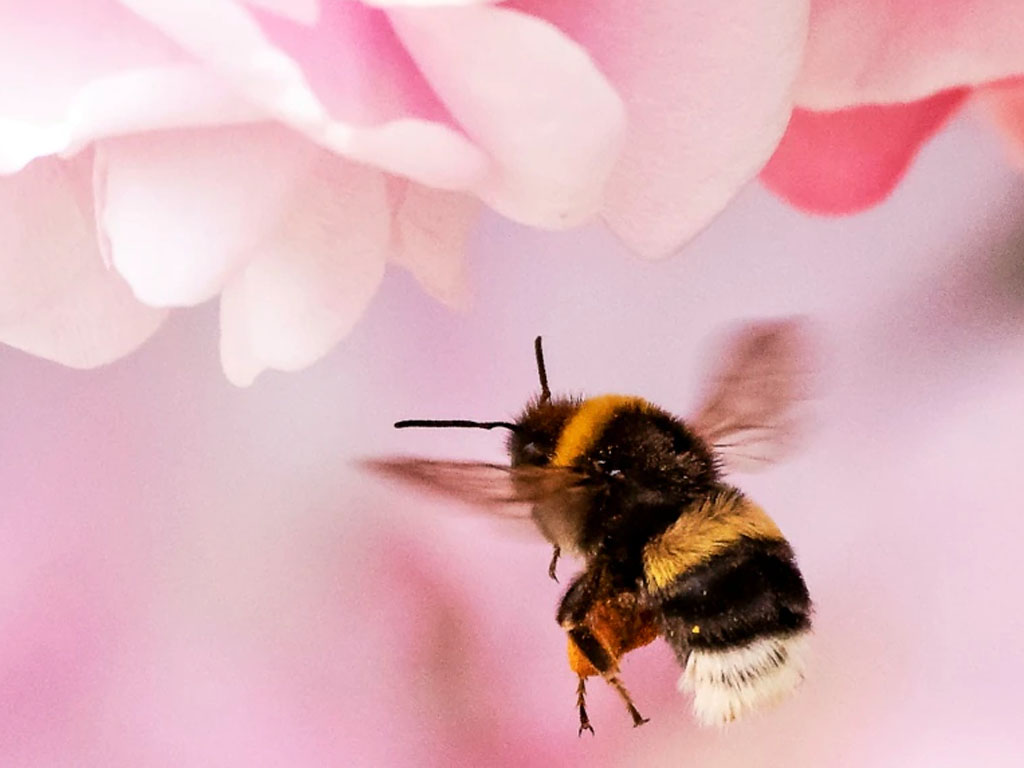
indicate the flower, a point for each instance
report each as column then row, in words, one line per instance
column 880, row 78
column 280, row 155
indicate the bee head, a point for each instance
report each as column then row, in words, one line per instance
column 534, row 434
column 533, row 440
column 537, row 430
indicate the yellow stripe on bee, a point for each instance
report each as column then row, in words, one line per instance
column 703, row 530
column 585, row 426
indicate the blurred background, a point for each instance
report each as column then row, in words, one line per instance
column 195, row 574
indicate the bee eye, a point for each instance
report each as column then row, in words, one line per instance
column 531, row 451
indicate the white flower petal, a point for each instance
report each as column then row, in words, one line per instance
column 531, row 97
column 388, row 127
column 431, row 227
column 707, row 88
column 895, row 51
column 71, row 72
column 181, row 210
column 310, row 281
column 57, row 298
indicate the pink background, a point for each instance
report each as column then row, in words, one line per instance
column 193, row 574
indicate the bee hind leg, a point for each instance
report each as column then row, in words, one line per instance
column 581, row 703
column 585, row 647
column 638, row 719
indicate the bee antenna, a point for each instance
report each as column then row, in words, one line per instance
column 545, row 393
column 456, row 423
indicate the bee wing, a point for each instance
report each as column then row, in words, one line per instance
column 475, row 483
column 555, row 498
column 751, row 413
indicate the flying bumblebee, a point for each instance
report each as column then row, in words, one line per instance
column 671, row 549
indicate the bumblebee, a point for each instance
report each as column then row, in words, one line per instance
column 671, row 549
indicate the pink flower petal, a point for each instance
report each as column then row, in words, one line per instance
column 96, row 69
column 707, row 92
column 882, row 51
column 841, row 162
column 57, row 299
column 1005, row 105
column 425, row 3
column 345, row 82
column 301, row 11
column 528, row 95
column 431, row 227
column 182, row 209
column 308, row 284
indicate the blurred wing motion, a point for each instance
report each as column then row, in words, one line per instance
column 554, row 497
column 751, row 415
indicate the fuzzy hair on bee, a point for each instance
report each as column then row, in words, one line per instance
column 670, row 548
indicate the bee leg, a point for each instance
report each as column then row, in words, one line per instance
column 554, row 562
column 581, row 702
column 578, row 601
column 638, row 719
column 602, row 661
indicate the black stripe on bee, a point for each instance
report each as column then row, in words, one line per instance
column 592, row 649
column 750, row 590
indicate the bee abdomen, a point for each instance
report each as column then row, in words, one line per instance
column 734, row 606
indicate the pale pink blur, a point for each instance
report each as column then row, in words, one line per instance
column 195, row 575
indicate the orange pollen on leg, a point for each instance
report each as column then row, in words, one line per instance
column 620, row 625
column 578, row 662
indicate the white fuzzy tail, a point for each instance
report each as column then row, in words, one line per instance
column 727, row 684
